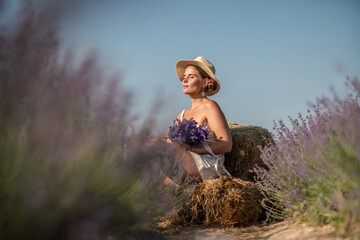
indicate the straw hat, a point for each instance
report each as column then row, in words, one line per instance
column 202, row 63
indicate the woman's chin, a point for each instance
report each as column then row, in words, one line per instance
column 192, row 95
column 188, row 93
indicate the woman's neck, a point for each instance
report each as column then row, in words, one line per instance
column 197, row 101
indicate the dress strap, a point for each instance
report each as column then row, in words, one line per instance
column 219, row 160
column 208, row 148
column 182, row 114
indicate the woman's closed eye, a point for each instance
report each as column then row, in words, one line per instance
column 190, row 77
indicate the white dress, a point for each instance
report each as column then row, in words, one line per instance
column 209, row 165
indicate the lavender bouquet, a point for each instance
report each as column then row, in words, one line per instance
column 187, row 131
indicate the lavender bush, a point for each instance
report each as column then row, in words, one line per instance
column 69, row 166
column 188, row 131
column 314, row 167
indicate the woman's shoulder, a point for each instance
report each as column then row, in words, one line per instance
column 211, row 105
column 212, row 109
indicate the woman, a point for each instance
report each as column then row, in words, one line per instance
column 198, row 81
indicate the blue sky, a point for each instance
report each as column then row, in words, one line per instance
column 271, row 57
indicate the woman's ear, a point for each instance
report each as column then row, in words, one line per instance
column 206, row 82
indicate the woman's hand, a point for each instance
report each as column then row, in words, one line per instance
column 191, row 149
column 185, row 146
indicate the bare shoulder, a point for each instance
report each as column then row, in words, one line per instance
column 217, row 121
column 211, row 105
column 213, row 111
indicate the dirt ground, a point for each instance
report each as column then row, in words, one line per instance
column 286, row 230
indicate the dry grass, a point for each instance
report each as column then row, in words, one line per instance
column 223, row 202
column 245, row 151
column 229, row 201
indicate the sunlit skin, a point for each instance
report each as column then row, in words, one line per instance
column 203, row 110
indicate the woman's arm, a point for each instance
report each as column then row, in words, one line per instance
column 218, row 124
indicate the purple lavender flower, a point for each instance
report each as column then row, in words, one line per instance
column 188, row 132
column 315, row 163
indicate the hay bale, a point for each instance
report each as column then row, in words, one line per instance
column 223, row 202
column 245, row 152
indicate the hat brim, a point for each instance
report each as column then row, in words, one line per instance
column 182, row 64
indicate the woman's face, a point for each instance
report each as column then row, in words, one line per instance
column 192, row 82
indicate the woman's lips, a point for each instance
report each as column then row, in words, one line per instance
column 185, row 86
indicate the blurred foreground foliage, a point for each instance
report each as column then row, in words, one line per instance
column 71, row 167
column 314, row 167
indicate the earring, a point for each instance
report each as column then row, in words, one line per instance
column 203, row 94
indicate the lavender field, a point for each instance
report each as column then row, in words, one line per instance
column 72, row 166
column 314, row 168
